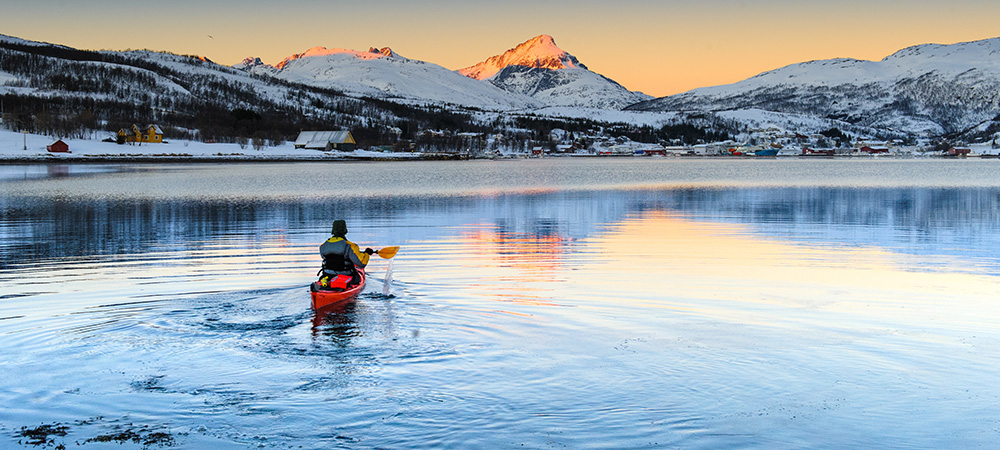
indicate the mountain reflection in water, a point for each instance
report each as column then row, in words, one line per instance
column 895, row 217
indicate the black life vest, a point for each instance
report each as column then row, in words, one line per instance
column 336, row 258
column 337, row 263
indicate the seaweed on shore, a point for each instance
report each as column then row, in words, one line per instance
column 40, row 435
column 143, row 436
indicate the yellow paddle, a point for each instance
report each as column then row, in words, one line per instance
column 387, row 252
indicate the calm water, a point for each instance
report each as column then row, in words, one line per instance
column 573, row 303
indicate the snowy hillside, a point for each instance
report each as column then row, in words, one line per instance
column 387, row 99
column 61, row 91
column 18, row 41
column 381, row 73
column 927, row 88
column 538, row 68
column 164, row 79
column 533, row 75
column 80, row 95
column 566, row 87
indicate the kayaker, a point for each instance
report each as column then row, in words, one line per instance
column 343, row 257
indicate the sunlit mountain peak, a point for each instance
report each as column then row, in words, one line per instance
column 384, row 51
column 539, row 52
column 372, row 53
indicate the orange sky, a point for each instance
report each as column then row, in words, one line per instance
column 660, row 48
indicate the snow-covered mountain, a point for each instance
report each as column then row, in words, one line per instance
column 538, row 68
column 937, row 89
column 65, row 92
column 533, row 75
column 931, row 88
column 540, row 52
column 384, row 74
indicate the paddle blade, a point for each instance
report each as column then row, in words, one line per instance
column 388, row 278
column 388, row 252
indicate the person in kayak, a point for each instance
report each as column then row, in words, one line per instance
column 342, row 257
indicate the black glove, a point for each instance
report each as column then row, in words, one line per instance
column 369, row 250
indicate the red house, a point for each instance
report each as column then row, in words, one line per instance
column 810, row 152
column 58, row 147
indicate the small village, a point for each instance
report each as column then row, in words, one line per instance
column 769, row 142
column 341, row 144
column 773, row 142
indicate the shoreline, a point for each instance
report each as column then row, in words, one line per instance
column 146, row 159
column 7, row 159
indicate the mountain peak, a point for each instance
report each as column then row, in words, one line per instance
column 251, row 63
column 542, row 39
column 540, row 52
column 384, row 51
column 372, row 53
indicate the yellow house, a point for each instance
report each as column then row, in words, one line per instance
column 151, row 133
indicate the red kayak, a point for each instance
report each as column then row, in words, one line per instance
column 326, row 297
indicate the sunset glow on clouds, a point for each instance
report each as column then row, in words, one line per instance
column 660, row 48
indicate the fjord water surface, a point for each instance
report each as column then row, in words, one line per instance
column 608, row 303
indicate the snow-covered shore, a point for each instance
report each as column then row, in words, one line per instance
column 20, row 147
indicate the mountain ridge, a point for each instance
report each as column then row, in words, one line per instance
column 923, row 91
column 372, row 53
column 384, row 74
column 926, row 88
column 556, row 78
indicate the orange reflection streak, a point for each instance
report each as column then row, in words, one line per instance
column 528, row 253
column 664, row 260
column 529, row 263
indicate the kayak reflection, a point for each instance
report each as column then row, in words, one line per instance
column 335, row 320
